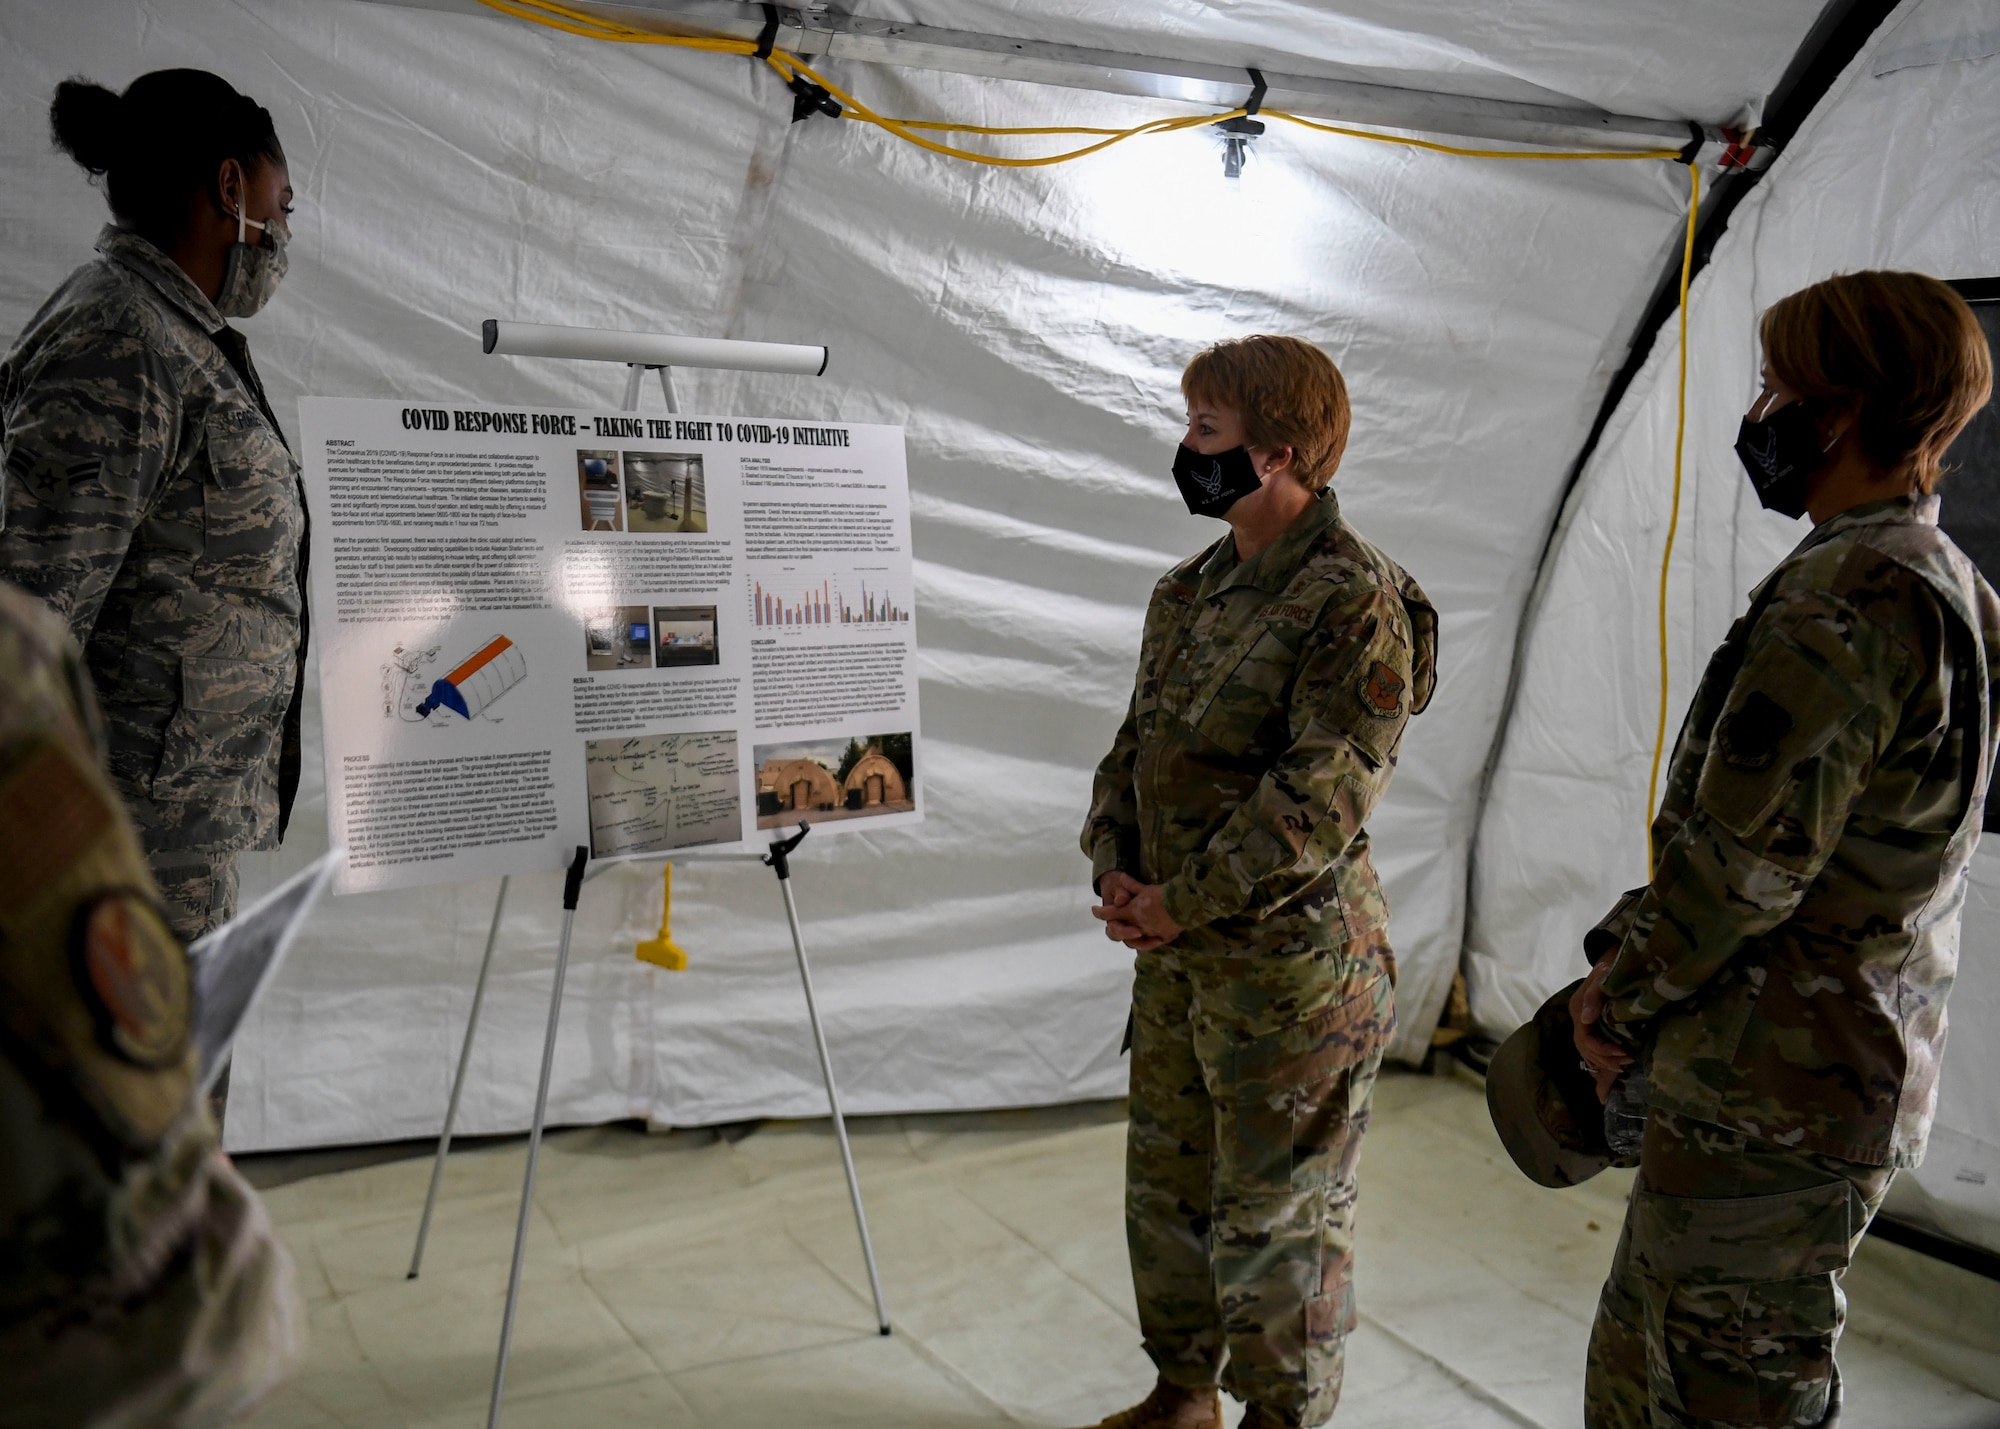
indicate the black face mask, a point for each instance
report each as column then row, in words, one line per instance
column 1212, row 484
column 1780, row 452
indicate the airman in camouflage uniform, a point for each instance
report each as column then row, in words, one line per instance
column 152, row 502
column 1271, row 698
column 140, row 1282
column 1783, row 978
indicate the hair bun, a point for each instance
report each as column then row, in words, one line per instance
column 84, row 120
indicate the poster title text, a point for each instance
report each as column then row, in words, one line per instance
column 666, row 429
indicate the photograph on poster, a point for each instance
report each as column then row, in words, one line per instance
column 665, row 491
column 862, row 776
column 599, row 501
column 662, row 791
column 618, row 637
column 684, row 635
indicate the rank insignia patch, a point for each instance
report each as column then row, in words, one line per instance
column 1382, row 691
column 136, row 977
column 1749, row 738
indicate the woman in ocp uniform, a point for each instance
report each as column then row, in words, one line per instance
column 150, row 496
column 1276, row 674
column 1775, row 1004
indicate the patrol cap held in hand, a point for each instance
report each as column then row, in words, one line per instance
column 1544, row 1103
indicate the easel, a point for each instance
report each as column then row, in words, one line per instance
column 577, row 875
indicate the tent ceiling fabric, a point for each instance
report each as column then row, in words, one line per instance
column 1029, row 328
column 1865, row 184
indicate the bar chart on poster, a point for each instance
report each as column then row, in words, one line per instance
column 537, row 629
column 825, row 604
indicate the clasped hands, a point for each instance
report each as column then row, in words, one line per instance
column 1603, row 1058
column 1133, row 914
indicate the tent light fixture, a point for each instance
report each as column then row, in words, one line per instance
column 1236, row 137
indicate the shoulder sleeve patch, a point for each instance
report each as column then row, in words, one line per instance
column 1748, row 738
column 1382, row 691
column 136, row 977
column 1785, row 707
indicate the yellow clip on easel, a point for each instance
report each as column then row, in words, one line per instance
column 663, row 951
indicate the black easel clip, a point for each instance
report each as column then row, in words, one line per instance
column 781, row 850
column 573, row 879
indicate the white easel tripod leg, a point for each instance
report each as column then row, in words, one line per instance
column 572, row 886
column 833, row 1102
column 457, row 1084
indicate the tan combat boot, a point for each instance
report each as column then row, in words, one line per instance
column 1170, row 1407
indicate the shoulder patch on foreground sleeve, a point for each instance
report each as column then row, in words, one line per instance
column 136, row 976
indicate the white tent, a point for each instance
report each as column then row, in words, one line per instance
column 1028, row 327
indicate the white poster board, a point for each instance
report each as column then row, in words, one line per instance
column 538, row 629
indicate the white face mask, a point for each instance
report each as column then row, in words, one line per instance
column 254, row 270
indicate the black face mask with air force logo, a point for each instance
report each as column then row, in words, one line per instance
column 1212, row 484
column 1780, row 453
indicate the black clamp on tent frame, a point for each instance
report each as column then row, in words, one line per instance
column 811, row 100
column 1247, row 123
column 808, row 98
column 1697, row 136
column 781, row 851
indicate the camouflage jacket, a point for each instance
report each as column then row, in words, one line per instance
column 140, row 1282
column 151, row 501
column 1271, row 697
column 1789, row 962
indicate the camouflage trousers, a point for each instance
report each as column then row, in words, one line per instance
column 1724, row 1302
column 199, row 890
column 1251, row 1080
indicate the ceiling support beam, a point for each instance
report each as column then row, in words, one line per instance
column 816, row 31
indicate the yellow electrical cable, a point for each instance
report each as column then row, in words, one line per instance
column 791, row 65
column 1674, row 519
column 575, row 22
column 933, row 124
